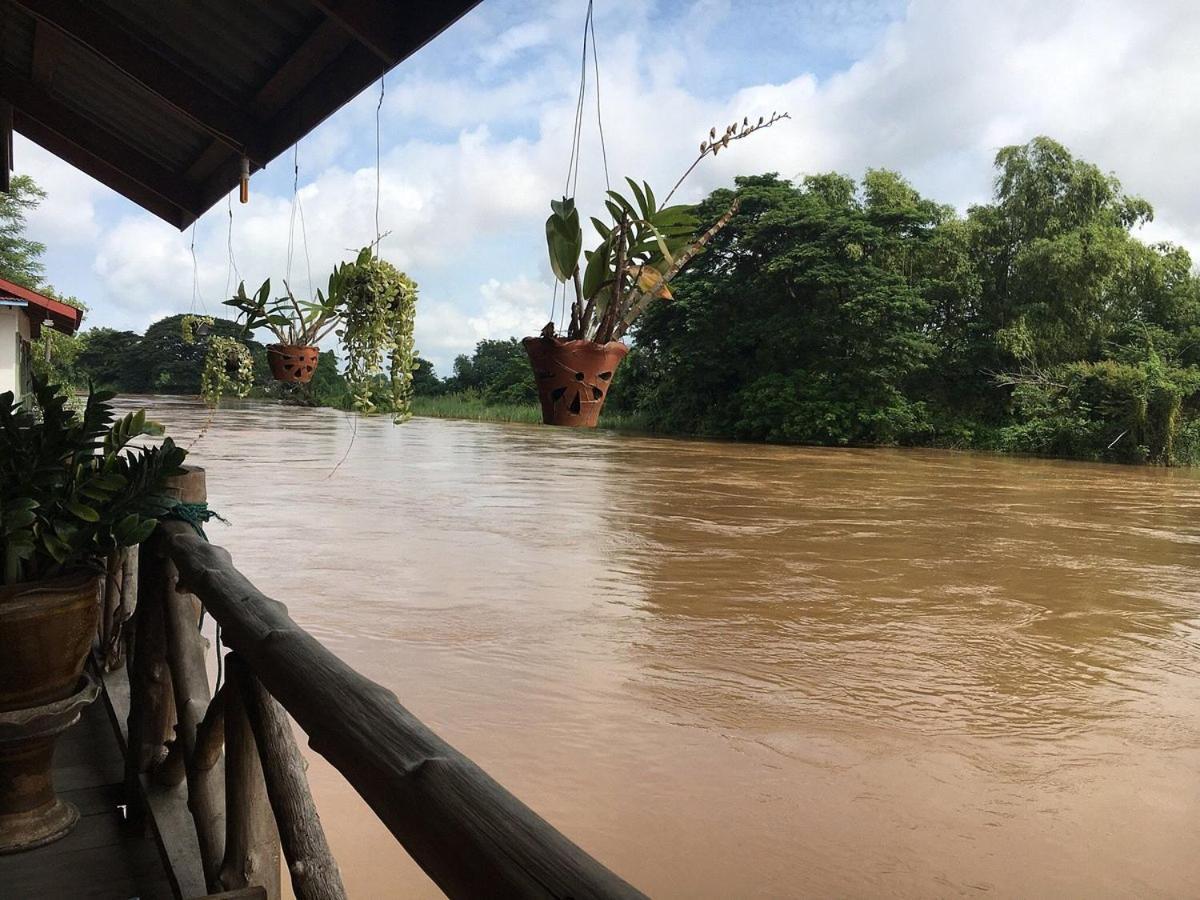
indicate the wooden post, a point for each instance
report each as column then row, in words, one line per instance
column 151, row 696
column 251, row 842
column 313, row 869
column 185, row 652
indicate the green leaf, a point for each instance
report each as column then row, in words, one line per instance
column 83, row 512
column 641, row 198
column 596, row 272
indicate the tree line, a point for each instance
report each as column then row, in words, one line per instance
column 858, row 312
column 835, row 311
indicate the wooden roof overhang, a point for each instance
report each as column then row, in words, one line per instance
column 161, row 99
column 40, row 308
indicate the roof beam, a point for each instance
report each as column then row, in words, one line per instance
column 150, row 66
column 87, row 145
column 394, row 31
column 314, row 54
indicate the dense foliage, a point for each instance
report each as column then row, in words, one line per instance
column 20, row 255
column 72, row 488
column 838, row 312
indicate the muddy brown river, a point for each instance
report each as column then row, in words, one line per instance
column 744, row 671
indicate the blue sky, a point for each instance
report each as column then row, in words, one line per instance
column 475, row 134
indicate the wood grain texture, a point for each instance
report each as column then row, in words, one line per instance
column 313, row 869
column 251, row 842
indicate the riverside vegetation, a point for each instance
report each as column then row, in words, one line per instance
column 835, row 311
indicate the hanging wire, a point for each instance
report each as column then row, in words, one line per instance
column 570, row 187
column 378, row 170
column 599, row 120
column 231, row 270
column 196, row 295
column 354, row 420
column 292, row 217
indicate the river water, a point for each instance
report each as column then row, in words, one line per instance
column 731, row 670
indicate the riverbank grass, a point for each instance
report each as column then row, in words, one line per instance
column 468, row 406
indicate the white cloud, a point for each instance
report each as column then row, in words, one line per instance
column 470, row 162
column 510, row 308
column 68, row 217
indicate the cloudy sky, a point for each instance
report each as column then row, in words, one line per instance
column 476, row 128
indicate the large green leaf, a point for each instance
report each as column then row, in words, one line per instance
column 597, row 271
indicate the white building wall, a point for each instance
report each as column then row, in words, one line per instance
column 14, row 333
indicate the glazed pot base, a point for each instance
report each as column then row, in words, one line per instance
column 37, row 827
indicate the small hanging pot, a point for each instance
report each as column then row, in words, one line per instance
column 202, row 329
column 233, row 364
column 573, row 377
column 292, row 363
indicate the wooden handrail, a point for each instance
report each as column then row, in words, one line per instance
column 469, row 834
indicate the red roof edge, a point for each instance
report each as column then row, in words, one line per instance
column 66, row 318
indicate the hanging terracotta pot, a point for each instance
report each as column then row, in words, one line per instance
column 292, row 363
column 573, row 377
column 46, row 630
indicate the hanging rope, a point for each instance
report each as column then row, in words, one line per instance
column 599, row 120
column 231, row 270
column 196, row 295
column 571, row 185
column 378, row 157
column 292, row 217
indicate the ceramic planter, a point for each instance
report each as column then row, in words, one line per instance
column 573, row 377
column 292, row 363
column 46, row 630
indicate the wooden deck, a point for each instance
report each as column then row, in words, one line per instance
column 102, row 859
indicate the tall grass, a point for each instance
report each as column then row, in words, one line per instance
column 471, row 406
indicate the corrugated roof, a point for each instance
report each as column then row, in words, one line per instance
column 160, row 99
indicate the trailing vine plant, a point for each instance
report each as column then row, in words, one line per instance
column 228, row 366
column 377, row 328
column 193, row 327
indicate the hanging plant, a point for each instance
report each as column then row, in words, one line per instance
column 643, row 246
column 298, row 325
column 380, row 306
column 228, row 369
column 193, row 327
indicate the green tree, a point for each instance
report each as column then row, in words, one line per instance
column 804, row 321
column 168, row 365
column 425, row 380
column 20, row 255
column 111, row 359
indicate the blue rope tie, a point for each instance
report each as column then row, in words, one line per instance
column 195, row 514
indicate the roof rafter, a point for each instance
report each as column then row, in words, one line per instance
column 392, row 37
column 138, row 57
column 87, row 145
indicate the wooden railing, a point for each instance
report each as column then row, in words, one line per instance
column 246, row 790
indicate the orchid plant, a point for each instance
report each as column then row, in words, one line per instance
column 643, row 246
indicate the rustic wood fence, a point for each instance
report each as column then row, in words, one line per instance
column 235, row 757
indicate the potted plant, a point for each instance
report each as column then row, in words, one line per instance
column 228, row 364
column 298, row 326
column 643, row 246
column 369, row 304
column 72, row 491
column 379, row 312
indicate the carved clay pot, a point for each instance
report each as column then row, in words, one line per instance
column 46, row 630
column 573, row 377
column 292, row 363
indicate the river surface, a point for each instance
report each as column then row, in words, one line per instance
column 732, row 670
